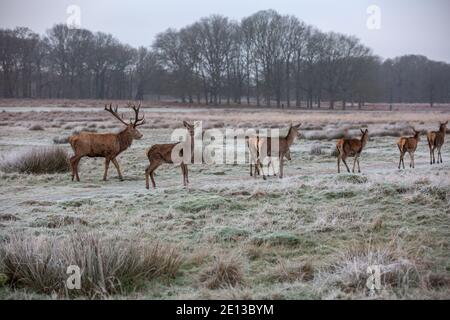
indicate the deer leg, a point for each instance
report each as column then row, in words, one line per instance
column 273, row 168
column 187, row 173
column 105, row 175
column 339, row 164
column 150, row 172
column 72, row 165
column 116, row 164
column 345, row 162
column 400, row 161
column 261, row 169
column 434, row 159
column 76, row 169
column 251, row 169
column 183, row 172
column 439, row 154
column 281, row 167
column 76, row 161
column 359, row 168
column 354, row 163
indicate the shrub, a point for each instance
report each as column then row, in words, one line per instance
column 349, row 271
column 37, row 161
column 277, row 238
column 286, row 271
column 36, row 127
column 198, row 204
column 61, row 140
column 316, row 150
column 231, row 234
column 225, row 271
column 107, row 266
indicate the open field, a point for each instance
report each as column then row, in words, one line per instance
column 311, row 235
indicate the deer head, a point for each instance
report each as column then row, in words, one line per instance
column 365, row 135
column 132, row 126
column 443, row 125
column 416, row 133
column 295, row 130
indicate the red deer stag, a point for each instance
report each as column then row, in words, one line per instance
column 436, row 141
column 162, row 153
column 351, row 148
column 258, row 144
column 408, row 144
column 105, row 145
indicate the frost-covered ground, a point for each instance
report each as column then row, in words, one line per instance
column 311, row 235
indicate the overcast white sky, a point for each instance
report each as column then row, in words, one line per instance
column 407, row 26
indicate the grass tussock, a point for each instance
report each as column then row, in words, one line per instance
column 348, row 272
column 107, row 266
column 36, row 161
column 61, row 140
column 316, row 150
column 289, row 271
column 36, row 127
column 225, row 271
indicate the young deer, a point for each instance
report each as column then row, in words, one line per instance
column 408, row 144
column 351, row 148
column 162, row 153
column 436, row 141
column 105, row 145
column 256, row 144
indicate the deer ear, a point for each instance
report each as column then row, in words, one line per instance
column 187, row 125
column 298, row 125
column 362, row 131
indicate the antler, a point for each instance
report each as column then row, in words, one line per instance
column 114, row 112
column 137, row 121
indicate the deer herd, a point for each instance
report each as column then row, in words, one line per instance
column 111, row 145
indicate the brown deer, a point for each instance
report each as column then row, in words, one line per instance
column 270, row 164
column 105, row 145
column 408, row 144
column 436, row 141
column 351, row 148
column 257, row 144
column 162, row 153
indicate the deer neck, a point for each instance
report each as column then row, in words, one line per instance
column 290, row 137
column 364, row 140
column 442, row 130
column 125, row 139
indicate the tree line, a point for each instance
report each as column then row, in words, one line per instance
column 265, row 59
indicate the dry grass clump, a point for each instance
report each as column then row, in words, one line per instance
column 316, row 150
column 36, row 161
column 107, row 266
column 36, row 127
column 225, row 271
column 288, row 271
column 61, row 140
column 348, row 272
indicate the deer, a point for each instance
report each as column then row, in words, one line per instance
column 408, row 144
column 106, row 145
column 270, row 164
column 159, row 154
column 256, row 144
column 351, row 148
column 436, row 141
